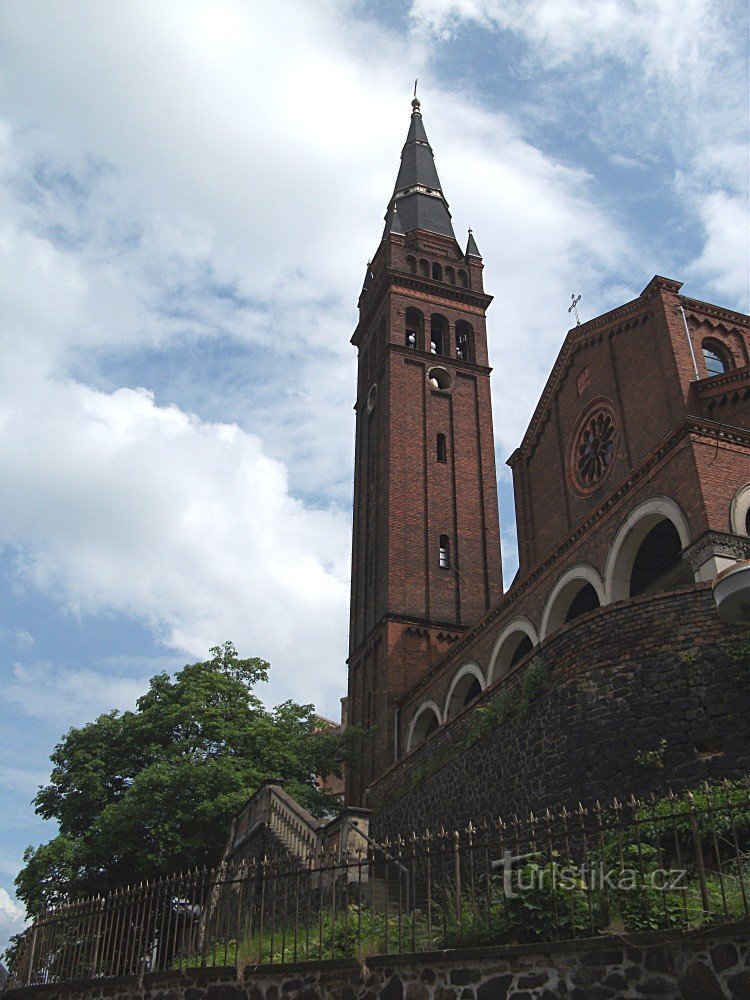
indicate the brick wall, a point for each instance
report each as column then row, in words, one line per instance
column 621, row 679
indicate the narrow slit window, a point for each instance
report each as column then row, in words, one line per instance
column 464, row 342
column 442, row 453
column 438, row 335
column 444, row 552
column 414, row 328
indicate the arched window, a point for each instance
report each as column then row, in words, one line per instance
column 629, row 541
column 424, row 268
column 577, row 591
column 523, row 648
column 463, row 279
column 411, row 264
column 464, row 341
column 715, row 358
column 442, row 451
column 467, row 685
column 585, row 600
column 438, row 335
column 516, row 641
column 423, row 725
column 414, row 329
column 444, row 552
column 450, row 275
column 437, row 272
column 658, row 563
column 739, row 511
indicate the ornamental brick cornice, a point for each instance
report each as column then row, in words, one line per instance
column 716, row 543
column 391, row 279
column 718, row 384
column 447, row 631
column 689, row 426
column 705, row 310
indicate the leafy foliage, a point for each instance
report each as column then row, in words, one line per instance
column 145, row 793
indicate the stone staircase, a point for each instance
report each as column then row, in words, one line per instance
column 273, row 822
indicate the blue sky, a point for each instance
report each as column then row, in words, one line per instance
column 189, row 192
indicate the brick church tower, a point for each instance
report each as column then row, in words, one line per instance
column 426, row 539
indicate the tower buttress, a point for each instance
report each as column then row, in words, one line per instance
column 426, row 536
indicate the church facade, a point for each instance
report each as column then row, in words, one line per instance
column 632, row 491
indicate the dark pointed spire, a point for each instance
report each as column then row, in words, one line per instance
column 393, row 223
column 418, row 194
column 472, row 250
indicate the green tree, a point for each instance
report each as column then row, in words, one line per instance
column 141, row 794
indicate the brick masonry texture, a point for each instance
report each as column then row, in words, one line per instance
column 711, row 966
column 681, row 436
column 621, row 678
column 405, row 499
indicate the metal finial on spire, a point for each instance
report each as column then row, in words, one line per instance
column 415, row 103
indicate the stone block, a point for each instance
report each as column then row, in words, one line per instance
column 698, row 982
column 393, row 989
column 495, row 988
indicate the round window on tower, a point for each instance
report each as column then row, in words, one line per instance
column 593, row 448
column 439, row 378
column 372, row 398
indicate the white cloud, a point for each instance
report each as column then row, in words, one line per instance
column 119, row 503
column 47, row 692
column 8, row 907
column 642, row 76
column 665, row 39
column 11, row 915
column 171, row 173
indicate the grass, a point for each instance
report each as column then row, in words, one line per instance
column 485, row 916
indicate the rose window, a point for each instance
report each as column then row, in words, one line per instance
column 594, row 449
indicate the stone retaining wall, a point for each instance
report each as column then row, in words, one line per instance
column 619, row 680
column 712, row 965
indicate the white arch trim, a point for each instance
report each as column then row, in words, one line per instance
column 517, row 625
column 579, row 574
column 738, row 510
column 630, row 534
column 468, row 669
column 426, row 706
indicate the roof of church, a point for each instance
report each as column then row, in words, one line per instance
column 418, row 197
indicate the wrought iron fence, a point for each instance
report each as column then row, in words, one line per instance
column 670, row 863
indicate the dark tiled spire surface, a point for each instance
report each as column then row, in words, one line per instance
column 418, row 198
column 472, row 250
column 393, row 222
